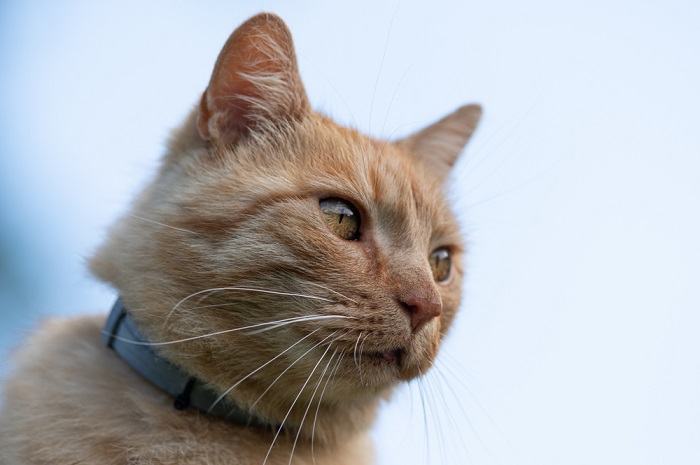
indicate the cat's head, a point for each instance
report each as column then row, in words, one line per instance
column 266, row 211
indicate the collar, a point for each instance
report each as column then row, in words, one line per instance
column 120, row 335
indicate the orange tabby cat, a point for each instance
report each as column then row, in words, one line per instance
column 294, row 268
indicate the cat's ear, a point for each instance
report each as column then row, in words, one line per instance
column 255, row 81
column 439, row 144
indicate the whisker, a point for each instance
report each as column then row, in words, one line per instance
column 425, row 418
column 450, row 417
column 234, row 386
column 252, row 406
column 359, row 365
column 491, row 145
column 393, row 98
column 433, row 431
column 243, row 289
column 203, row 297
column 302, row 319
column 473, row 395
column 291, row 407
column 336, row 91
column 354, row 352
column 467, row 417
column 333, row 291
column 331, row 375
column 148, row 220
column 437, row 419
column 411, row 411
column 381, row 64
column 199, row 307
column 313, row 395
column 277, row 323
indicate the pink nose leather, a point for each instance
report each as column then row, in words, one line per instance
column 420, row 309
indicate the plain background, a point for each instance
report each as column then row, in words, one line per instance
column 579, row 338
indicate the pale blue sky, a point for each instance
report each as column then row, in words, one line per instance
column 580, row 194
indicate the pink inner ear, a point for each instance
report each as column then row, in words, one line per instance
column 255, row 78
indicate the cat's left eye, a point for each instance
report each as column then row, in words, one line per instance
column 441, row 264
column 341, row 217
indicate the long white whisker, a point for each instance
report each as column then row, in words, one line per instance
column 290, row 366
column 354, row 352
column 359, row 365
column 243, row 289
column 463, row 410
column 291, row 407
column 226, row 304
column 411, row 412
column 437, row 419
column 269, row 328
column 313, row 394
column 393, row 98
column 333, row 291
column 203, row 297
column 277, row 323
column 309, row 318
column 163, row 224
column 450, row 417
column 425, row 418
column 473, row 395
column 381, row 64
column 226, row 392
column 318, row 406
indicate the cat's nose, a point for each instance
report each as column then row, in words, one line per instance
column 420, row 308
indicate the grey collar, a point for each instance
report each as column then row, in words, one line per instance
column 187, row 390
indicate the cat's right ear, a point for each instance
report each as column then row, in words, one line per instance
column 255, row 81
column 439, row 144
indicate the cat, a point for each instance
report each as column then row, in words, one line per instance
column 296, row 269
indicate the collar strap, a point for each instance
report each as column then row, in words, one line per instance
column 120, row 333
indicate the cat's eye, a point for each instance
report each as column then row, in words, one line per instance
column 441, row 264
column 341, row 217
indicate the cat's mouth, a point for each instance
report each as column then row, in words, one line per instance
column 401, row 363
column 386, row 357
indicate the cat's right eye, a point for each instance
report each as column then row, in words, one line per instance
column 441, row 264
column 341, row 217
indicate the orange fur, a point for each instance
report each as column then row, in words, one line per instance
column 236, row 203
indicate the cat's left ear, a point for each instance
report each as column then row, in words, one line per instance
column 255, row 82
column 439, row 145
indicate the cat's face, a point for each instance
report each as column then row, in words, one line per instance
column 265, row 211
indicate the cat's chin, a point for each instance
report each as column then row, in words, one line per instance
column 413, row 366
column 386, row 368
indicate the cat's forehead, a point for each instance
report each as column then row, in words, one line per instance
column 319, row 158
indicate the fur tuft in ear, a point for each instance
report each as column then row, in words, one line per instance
column 439, row 145
column 255, row 81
